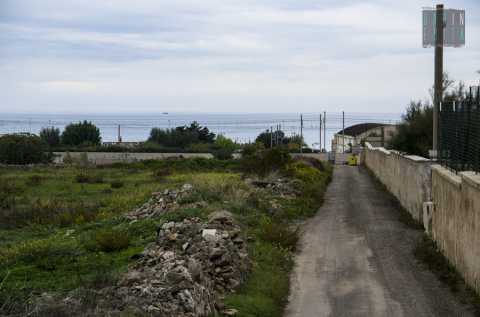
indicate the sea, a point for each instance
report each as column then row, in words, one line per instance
column 240, row 127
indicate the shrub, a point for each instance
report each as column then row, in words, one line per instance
column 161, row 173
column 22, row 149
column 278, row 233
column 85, row 178
column 224, row 148
column 81, row 133
column 34, row 180
column 111, row 240
column 414, row 135
column 182, row 136
column 259, row 161
column 50, row 136
column 116, row 184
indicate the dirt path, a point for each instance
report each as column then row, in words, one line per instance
column 356, row 259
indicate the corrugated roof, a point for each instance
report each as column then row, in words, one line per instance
column 357, row 129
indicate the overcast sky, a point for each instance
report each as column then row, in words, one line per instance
column 221, row 56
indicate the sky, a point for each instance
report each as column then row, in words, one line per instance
column 78, row 56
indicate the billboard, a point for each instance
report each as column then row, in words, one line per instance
column 453, row 31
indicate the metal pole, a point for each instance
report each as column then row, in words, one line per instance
column 343, row 131
column 320, row 134
column 271, row 137
column 438, row 86
column 325, row 130
column 301, row 133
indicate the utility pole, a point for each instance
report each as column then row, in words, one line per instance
column 271, row 137
column 320, row 134
column 301, row 133
column 438, row 86
column 119, row 137
column 325, row 130
column 343, row 131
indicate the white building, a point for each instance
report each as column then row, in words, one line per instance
column 377, row 134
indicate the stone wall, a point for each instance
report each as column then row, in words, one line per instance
column 407, row 177
column 105, row 158
column 456, row 220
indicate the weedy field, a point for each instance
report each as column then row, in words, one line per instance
column 61, row 228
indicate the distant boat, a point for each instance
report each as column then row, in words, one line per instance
column 165, row 113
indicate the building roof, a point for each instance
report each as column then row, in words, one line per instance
column 358, row 129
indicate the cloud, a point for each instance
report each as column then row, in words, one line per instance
column 217, row 55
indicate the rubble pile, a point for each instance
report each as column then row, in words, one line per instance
column 160, row 202
column 187, row 270
column 280, row 186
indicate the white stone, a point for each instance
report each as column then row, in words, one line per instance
column 209, row 234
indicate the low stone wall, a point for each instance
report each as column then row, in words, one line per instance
column 407, row 177
column 456, row 220
column 105, row 158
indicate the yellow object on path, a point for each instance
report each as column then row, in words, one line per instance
column 352, row 160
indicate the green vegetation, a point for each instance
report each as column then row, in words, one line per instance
column 82, row 133
column 50, row 136
column 60, row 228
column 415, row 132
column 182, row 136
column 22, row 149
column 278, row 138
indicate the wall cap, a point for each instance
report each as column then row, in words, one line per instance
column 447, row 175
column 472, row 178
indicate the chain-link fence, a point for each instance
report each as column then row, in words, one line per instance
column 459, row 137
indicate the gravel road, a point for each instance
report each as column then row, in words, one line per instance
column 356, row 259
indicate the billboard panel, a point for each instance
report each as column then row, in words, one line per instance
column 454, row 27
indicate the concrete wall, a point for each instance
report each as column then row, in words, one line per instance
column 105, row 158
column 407, row 177
column 456, row 220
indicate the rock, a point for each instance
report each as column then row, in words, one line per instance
column 209, row 234
column 222, row 216
column 187, row 275
column 187, row 187
column 230, row 312
column 160, row 203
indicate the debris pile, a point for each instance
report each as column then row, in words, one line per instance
column 280, row 186
column 186, row 271
column 160, row 202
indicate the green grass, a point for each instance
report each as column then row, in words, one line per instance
column 65, row 234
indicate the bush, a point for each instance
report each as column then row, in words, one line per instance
column 85, row 178
column 81, row 133
column 34, row 180
column 278, row 233
column 182, row 136
column 260, row 161
column 224, row 148
column 22, row 149
column 111, row 240
column 415, row 133
column 116, row 184
column 50, row 136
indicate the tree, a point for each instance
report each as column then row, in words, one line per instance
column 182, row 136
column 50, row 136
column 224, row 147
column 447, row 83
column 268, row 138
column 22, row 149
column 81, row 133
column 415, row 133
